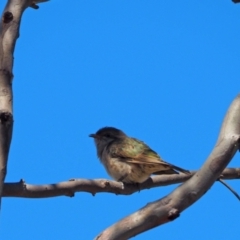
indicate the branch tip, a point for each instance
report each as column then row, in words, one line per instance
column 33, row 3
column 22, row 181
column 34, row 6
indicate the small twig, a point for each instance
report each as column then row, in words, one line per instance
column 230, row 188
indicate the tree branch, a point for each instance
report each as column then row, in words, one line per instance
column 93, row 186
column 169, row 207
column 9, row 32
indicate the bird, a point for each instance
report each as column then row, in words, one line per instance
column 129, row 160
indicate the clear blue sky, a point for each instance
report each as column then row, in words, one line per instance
column 162, row 71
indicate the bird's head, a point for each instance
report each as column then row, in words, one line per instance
column 106, row 135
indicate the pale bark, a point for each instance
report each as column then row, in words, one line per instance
column 94, row 186
column 154, row 214
column 9, row 32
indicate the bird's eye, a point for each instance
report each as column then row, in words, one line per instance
column 109, row 135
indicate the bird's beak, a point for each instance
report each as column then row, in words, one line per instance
column 92, row 135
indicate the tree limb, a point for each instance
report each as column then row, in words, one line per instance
column 9, row 32
column 169, row 207
column 93, row 186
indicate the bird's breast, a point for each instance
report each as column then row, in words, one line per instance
column 123, row 171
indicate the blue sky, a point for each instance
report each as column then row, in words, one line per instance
column 162, row 71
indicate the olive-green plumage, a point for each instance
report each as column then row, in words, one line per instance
column 128, row 159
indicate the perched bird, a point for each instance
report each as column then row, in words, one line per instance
column 127, row 159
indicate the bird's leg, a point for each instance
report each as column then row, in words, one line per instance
column 138, row 186
column 124, row 183
column 122, row 178
column 227, row 186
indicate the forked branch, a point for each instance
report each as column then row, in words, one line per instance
column 169, row 207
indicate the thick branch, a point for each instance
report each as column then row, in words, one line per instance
column 68, row 188
column 169, row 207
column 9, row 32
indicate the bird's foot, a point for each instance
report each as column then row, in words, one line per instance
column 138, row 186
column 135, row 185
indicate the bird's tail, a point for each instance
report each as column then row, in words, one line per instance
column 179, row 169
column 169, row 171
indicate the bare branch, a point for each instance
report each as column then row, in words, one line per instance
column 169, row 207
column 9, row 32
column 93, row 186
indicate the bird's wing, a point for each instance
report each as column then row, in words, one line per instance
column 132, row 150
